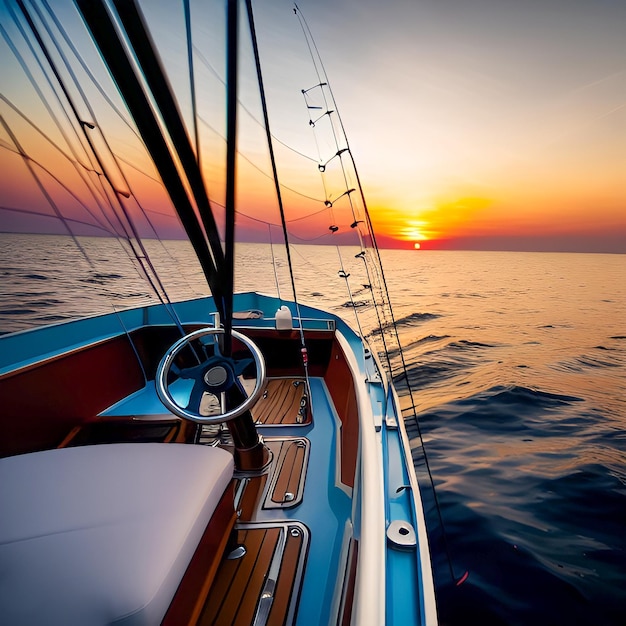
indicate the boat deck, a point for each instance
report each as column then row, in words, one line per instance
column 285, row 518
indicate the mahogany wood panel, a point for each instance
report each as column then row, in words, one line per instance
column 348, row 587
column 194, row 587
column 41, row 404
column 340, row 385
column 126, row 429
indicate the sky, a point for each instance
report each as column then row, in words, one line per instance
column 474, row 124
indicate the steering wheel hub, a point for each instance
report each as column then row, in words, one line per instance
column 216, row 376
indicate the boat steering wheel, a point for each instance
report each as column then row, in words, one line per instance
column 215, row 375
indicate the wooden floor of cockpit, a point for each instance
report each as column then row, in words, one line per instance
column 284, row 401
column 262, row 586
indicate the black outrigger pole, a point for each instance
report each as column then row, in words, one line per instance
column 111, row 48
column 250, row 452
column 218, row 266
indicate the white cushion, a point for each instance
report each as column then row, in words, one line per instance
column 103, row 534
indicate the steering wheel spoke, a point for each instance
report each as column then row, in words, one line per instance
column 217, row 375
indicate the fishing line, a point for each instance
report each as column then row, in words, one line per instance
column 246, row 109
column 143, row 257
column 343, row 274
column 76, row 162
column 43, row 190
column 152, row 276
column 68, row 100
column 23, row 211
column 325, row 82
column 106, row 37
column 269, row 228
column 258, row 168
column 85, row 67
column 98, row 225
column 257, row 62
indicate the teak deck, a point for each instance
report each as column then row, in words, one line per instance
column 260, row 587
column 284, row 401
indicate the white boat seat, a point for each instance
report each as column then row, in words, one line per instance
column 103, row 534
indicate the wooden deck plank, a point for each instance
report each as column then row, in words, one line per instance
column 280, row 402
column 239, row 584
column 248, row 604
column 290, row 472
column 285, row 582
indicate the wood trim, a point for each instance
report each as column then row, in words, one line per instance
column 40, row 405
column 192, row 592
column 251, row 497
column 340, row 385
column 128, row 429
column 347, row 599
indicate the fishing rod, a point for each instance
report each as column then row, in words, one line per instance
column 330, row 111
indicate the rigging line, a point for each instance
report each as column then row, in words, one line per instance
column 44, row 50
column 343, row 274
column 71, row 220
column 43, row 190
column 153, row 73
column 384, row 283
column 70, row 101
column 99, row 225
column 192, row 80
column 269, row 228
column 105, row 35
column 85, row 67
column 257, row 61
column 245, row 108
column 76, row 162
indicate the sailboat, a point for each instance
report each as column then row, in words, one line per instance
column 233, row 458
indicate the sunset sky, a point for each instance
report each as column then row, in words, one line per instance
column 475, row 124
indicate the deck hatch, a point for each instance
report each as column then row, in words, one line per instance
column 286, row 487
column 263, row 586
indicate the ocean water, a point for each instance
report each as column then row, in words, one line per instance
column 517, row 363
